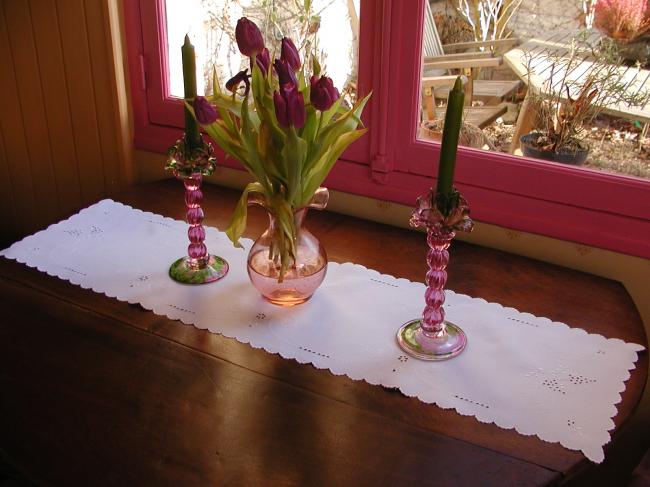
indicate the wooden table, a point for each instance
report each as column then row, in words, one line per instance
column 100, row 392
column 548, row 75
column 559, row 43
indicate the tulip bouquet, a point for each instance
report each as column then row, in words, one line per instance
column 286, row 128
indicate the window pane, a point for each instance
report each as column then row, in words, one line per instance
column 562, row 73
column 329, row 26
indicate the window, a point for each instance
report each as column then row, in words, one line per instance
column 328, row 26
column 583, row 96
column 156, row 88
column 392, row 162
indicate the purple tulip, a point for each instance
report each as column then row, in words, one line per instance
column 289, row 54
column 280, row 109
column 289, row 107
column 233, row 83
column 296, row 108
column 286, row 76
column 323, row 92
column 263, row 60
column 204, row 111
column 249, row 38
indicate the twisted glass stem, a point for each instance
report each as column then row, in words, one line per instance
column 433, row 316
column 196, row 251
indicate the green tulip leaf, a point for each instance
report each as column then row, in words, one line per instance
column 327, row 115
column 263, row 98
column 231, row 145
column 250, row 141
column 315, row 65
column 327, row 136
column 308, row 131
column 294, row 153
column 224, row 114
column 237, row 223
column 315, row 176
column 216, row 87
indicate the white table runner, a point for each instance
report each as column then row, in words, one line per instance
column 518, row 371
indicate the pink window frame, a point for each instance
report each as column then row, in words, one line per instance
column 580, row 205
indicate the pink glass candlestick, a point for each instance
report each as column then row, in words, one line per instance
column 431, row 337
column 198, row 267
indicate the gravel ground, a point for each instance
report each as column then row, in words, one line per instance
column 614, row 145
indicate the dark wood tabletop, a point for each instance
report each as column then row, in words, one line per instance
column 94, row 391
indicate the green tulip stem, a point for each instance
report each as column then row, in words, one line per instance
column 192, row 136
column 450, row 135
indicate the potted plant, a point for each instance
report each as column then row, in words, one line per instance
column 558, row 135
column 287, row 127
column 563, row 105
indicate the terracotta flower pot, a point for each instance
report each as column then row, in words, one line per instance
column 470, row 135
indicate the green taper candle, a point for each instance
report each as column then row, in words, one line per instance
column 192, row 136
column 450, row 134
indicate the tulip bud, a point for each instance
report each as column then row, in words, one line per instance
column 263, row 61
column 286, row 76
column 249, row 38
column 289, row 54
column 233, row 83
column 323, row 93
column 205, row 113
column 289, row 107
column 280, row 109
column 296, row 108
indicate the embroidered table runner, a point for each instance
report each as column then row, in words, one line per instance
column 518, row 371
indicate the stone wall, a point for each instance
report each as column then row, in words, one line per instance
column 534, row 17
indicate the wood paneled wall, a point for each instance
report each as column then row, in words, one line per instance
column 60, row 141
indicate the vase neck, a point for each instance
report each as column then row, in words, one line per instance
column 318, row 201
column 298, row 217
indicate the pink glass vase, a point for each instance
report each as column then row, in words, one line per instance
column 198, row 267
column 305, row 274
column 431, row 337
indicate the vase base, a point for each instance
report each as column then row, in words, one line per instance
column 182, row 271
column 287, row 298
column 412, row 340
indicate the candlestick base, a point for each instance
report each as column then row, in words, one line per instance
column 192, row 271
column 447, row 344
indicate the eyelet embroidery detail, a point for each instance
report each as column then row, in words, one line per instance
column 579, row 380
column 383, row 282
column 402, row 359
column 472, row 402
column 159, row 223
column 75, row 271
column 315, row 353
column 140, row 279
column 182, row 309
column 523, row 322
column 554, row 385
column 75, row 232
